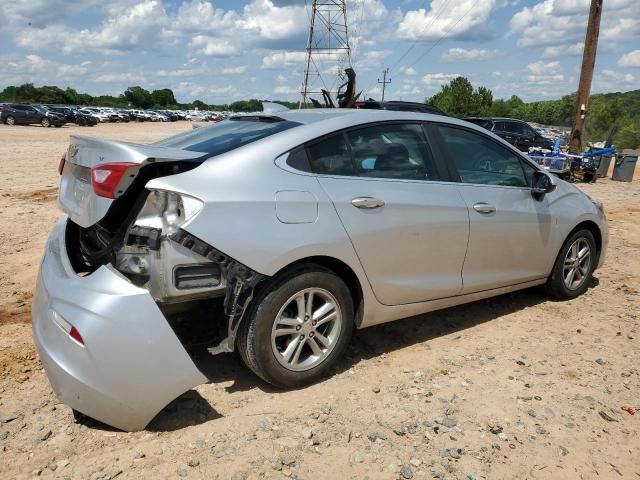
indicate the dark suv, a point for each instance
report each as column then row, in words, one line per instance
column 518, row 133
column 15, row 114
column 400, row 106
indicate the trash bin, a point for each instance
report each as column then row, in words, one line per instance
column 603, row 165
column 625, row 167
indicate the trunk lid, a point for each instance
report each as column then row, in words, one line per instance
column 77, row 197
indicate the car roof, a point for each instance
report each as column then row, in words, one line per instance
column 323, row 121
column 496, row 118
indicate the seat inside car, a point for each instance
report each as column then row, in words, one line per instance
column 395, row 162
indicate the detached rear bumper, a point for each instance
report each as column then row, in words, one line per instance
column 131, row 364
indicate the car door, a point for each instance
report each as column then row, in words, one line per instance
column 500, row 128
column 408, row 227
column 19, row 113
column 32, row 115
column 510, row 232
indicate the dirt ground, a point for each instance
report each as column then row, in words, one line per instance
column 513, row 387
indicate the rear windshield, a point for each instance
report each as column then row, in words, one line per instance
column 227, row 135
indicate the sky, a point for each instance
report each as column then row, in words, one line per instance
column 220, row 51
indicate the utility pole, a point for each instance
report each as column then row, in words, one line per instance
column 384, row 81
column 586, row 75
column 328, row 48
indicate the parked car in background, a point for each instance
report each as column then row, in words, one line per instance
column 74, row 115
column 303, row 225
column 400, row 106
column 156, row 117
column 518, row 133
column 19, row 114
column 99, row 114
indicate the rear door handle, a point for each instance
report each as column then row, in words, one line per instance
column 367, row 202
column 483, row 207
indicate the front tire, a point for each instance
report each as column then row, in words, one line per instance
column 45, row 122
column 298, row 327
column 10, row 120
column 573, row 269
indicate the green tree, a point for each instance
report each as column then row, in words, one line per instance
column 138, row 97
column 163, row 97
column 459, row 99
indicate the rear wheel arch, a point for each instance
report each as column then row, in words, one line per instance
column 342, row 270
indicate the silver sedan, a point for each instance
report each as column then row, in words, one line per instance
column 299, row 226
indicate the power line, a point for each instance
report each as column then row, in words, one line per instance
column 443, row 36
column 433, row 20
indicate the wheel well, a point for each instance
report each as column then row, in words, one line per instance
column 594, row 229
column 345, row 272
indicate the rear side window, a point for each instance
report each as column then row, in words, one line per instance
column 331, row 156
column 481, row 161
column 227, row 135
column 391, row 151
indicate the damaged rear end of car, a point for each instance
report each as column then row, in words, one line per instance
column 118, row 268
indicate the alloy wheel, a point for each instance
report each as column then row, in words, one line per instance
column 577, row 263
column 306, row 329
column 11, row 121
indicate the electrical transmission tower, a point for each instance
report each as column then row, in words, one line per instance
column 328, row 50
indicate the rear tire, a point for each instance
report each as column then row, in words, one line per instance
column 45, row 122
column 298, row 327
column 10, row 120
column 573, row 269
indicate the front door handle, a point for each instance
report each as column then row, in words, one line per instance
column 367, row 202
column 483, row 207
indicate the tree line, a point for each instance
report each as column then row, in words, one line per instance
column 607, row 111
column 132, row 97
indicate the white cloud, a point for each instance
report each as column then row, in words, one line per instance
column 562, row 22
column 214, row 47
column 464, row 19
column 464, row 55
column 619, row 76
column 564, row 50
column 285, row 90
column 119, row 78
column 138, row 26
column 234, row 70
column 540, row 68
column 630, row 59
column 271, row 22
column 283, row 59
column 541, row 73
column 439, row 78
column 198, row 17
column 408, row 70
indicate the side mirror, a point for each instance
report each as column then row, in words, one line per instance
column 542, row 184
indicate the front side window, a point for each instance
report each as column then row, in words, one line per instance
column 393, row 151
column 480, row 160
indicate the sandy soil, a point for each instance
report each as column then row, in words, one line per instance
column 513, row 387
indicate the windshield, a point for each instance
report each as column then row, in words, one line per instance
column 227, row 135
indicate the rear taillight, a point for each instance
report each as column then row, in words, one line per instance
column 63, row 159
column 106, row 178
